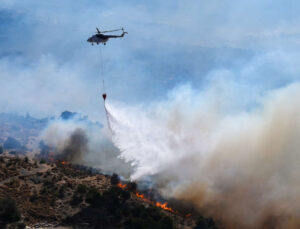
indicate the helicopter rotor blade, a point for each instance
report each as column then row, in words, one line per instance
column 108, row 31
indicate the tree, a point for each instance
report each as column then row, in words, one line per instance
column 1, row 149
column 114, row 180
column 131, row 186
column 205, row 223
column 66, row 115
column 9, row 211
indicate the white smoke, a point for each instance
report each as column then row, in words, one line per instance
column 239, row 166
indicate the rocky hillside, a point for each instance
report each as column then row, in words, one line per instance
column 37, row 194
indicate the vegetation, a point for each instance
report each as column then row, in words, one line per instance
column 114, row 180
column 113, row 209
column 66, row 115
column 9, row 211
column 131, row 186
column 81, row 189
column 47, row 195
column 205, row 223
column 42, row 161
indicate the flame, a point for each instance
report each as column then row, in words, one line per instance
column 188, row 215
column 155, row 203
column 141, row 196
column 120, row 185
column 164, row 206
column 64, row 163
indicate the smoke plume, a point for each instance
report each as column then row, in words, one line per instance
column 86, row 143
column 240, row 165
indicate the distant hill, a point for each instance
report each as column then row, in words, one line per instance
column 24, row 129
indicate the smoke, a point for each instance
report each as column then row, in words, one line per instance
column 237, row 165
column 76, row 146
column 84, row 142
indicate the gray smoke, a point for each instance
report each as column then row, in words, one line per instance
column 84, row 143
column 76, row 146
column 241, row 167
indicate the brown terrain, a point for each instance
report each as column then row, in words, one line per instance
column 48, row 195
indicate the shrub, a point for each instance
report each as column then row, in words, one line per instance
column 165, row 223
column 81, row 189
column 114, row 180
column 76, row 199
column 131, row 186
column 61, row 192
column 205, row 223
column 93, row 197
column 42, row 161
column 9, row 211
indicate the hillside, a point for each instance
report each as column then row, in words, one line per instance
column 49, row 195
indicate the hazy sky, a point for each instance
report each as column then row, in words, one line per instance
column 46, row 65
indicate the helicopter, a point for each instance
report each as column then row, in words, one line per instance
column 99, row 37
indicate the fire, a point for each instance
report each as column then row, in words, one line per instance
column 164, row 206
column 155, row 203
column 64, row 163
column 188, row 215
column 141, row 196
column 120, row 185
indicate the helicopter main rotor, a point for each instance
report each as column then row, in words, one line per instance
column 109, row 31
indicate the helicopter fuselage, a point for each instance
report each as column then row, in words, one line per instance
column 98, row 38
column 101, row 38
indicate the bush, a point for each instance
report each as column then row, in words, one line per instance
column 93, row 197
column 81, row 189
column 61, row 192
column 115, row 196
column 131, row 186
column 114, row 180
column 9, row 211
column 76, row 200
column 42, row 161
column 165, row 223
column 205, row 223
